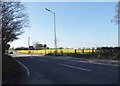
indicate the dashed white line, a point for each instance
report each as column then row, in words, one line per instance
column 39, row 59
column 91, row 62
column 43, row 60
column 74, row 67
column 69, row 62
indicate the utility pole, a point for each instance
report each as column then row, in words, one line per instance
column 28, row 42
column 55, row 40
column 29, row 52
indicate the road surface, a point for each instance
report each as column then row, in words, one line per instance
column 66, row 70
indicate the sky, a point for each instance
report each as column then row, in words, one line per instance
column 78, row 24
column 68, row 0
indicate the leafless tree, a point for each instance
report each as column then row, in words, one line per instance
column 14, row 19
column 117, row 16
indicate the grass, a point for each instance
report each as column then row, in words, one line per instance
column 90, row 56
column 11, row 70
column 52, row 51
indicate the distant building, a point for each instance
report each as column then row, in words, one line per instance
column 31, row 48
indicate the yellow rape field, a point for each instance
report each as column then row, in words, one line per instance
column 52, row 51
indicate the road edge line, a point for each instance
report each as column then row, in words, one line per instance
column 28, row 72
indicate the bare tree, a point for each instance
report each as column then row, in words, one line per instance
column 0, row 26
column 117, row 16
column 14, row 19
column 38, row 46
column 117, row 20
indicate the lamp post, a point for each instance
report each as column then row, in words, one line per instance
column 29, row 45
column 55, row 41
column 28, row 42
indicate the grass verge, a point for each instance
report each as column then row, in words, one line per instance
column 90, row 56
column 12, row 72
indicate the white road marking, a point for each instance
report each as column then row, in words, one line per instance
column 28, row 72
column 92, row 62
column 39, row 59
column 105, row 64
column 69, row 62
column 74, row 67
column 78, row 61
column 68, row 57
column 43, row 60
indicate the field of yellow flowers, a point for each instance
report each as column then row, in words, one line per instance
column 47, row 51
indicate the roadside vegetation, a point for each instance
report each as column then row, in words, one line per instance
column 14, row 19
column 11, row 70
column 99, row 53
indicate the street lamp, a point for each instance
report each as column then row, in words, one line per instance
column 29, row 45
column 28, row 42
column 55, row 41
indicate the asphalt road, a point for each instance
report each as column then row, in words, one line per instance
column 64, row 70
